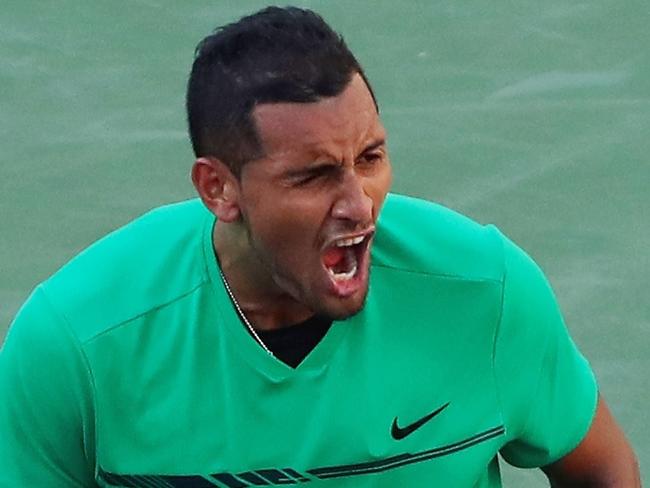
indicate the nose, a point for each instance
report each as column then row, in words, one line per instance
column 353, row 203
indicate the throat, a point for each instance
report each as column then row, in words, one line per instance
column 292, row 344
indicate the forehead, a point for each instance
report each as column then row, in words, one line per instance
column 330, row 125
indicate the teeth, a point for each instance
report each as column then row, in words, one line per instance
column 352, row 241
column 343, row 276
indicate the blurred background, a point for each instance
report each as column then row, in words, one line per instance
column 532, row 116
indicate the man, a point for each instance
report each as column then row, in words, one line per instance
column 281, row 330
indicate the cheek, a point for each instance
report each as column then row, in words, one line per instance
column 287, row 226
column 378, row 187
column 303, row 210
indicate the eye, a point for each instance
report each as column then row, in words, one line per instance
column 305, row 180
column 315, row 175
column 371, row 158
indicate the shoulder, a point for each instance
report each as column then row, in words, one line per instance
column 149, row 262
column 415, row 235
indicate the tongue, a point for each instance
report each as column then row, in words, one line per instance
column 333, row 256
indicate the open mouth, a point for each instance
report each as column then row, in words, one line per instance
column 344, row 258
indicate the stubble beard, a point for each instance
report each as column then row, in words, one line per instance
column 295, row 290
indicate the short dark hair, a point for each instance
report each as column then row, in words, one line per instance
column 275, row 55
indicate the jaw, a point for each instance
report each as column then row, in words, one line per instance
column 280, row 298
column 340, row 308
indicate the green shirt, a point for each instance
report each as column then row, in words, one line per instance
column 129, row 367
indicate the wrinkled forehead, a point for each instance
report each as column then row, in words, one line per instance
column 348, row 119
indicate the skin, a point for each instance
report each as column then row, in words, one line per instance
column 603, row 459
column 325, row 174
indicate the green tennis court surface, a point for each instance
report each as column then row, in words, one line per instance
column 528, row 116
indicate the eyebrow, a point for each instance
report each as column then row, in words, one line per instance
column 313, row 168
column 324, row 165
column 374, row 145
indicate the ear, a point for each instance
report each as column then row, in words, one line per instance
column 218, row 187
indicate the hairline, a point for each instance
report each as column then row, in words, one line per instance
column 238, row 168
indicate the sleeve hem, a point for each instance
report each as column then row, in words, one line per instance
column 583, row 432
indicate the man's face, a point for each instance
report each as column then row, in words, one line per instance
column 311, row 203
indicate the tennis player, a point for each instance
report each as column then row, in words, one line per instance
column 297, row 323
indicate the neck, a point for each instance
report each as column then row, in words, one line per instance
column 266, row 305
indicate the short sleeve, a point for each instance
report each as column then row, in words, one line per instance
column 46, row 419
column 547, row 388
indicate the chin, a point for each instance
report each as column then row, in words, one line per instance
column 342, row 311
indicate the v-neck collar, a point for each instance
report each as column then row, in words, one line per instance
column 313, row 364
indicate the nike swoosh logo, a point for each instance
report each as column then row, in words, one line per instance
column 399, row 433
